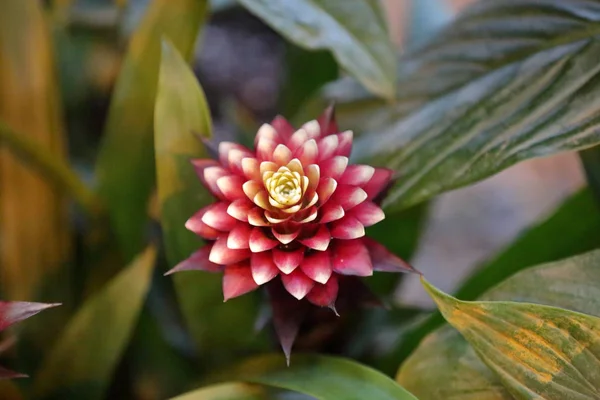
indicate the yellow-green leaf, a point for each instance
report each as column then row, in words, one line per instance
column 125, row 167
column 537, row 351
column 181, row 119
column 444, row 354
column 35, row 235
column 225, row 391
column 81, row 363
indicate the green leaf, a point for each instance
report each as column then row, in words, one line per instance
column 224, row 391
column 125, row 167
column 354, row 30
column 445, row 355
column 322, row 377
column 181, row 114
column 181, row 119
column 81, row 363
column 505, row 82
column 561, row 235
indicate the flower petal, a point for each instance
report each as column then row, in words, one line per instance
column 297, row 283
column 239, row 236
column 256, row 217
column 308, row 152
column 334, row 167
column 210, row 174
column 324, row 295
column 240, row 208
column 349, row 196
column 231, row 154
column 327, row 146
column 319, row 241
column 317, row 266
column 216, row 217
column 231, row 186
column 198, row 261
column 223, row 255
column 251, row 188
column 357, row 174
column 12, row 312
column 195, row 224
column 287, row 261
column 288, row 315
column 266, row 132
column 282, row 155
column 265, row 149
column 351, row 257
column 313, row 173
column 331, row 212
column 380, row 180
column 327, row 186
column 312, row 128
column 383, row 260
column 8, row 374
column 285, row 236
column 237, row 280
column 251, row 168
column 297, row 139
column 368, row 213
column 263, row 267
column 260, row 242
column 283, row 127
column 347, row 228
column 344, row 144
column 327, row 121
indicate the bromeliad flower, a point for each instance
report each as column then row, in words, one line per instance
column 293, row 212
column 12, row 312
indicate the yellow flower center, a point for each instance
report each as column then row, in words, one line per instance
column 284, row 187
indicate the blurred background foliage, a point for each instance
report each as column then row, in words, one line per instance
column 80, row 214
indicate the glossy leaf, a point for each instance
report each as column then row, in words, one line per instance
column 182, row 119
column 506, row 81
column 322, row 377
column 125, row 167
column 562, row 235
column 224, row 391
column 81, row 363
column 354, row 30
column 445, row 355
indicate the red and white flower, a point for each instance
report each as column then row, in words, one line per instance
column 291, row 210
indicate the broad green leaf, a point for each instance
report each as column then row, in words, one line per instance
column 444, row 355
column 181, row 119
column 590, row 159
column 125, row 167
column 224, row 391
column 535, row 350
column 322, row 377
column 81, row 363
column 353, row 30
column 506, row 81
column 561, row 235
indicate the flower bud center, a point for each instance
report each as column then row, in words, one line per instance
column 284, row 186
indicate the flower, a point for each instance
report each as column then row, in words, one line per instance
column 294, row 211
column 12, row 312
